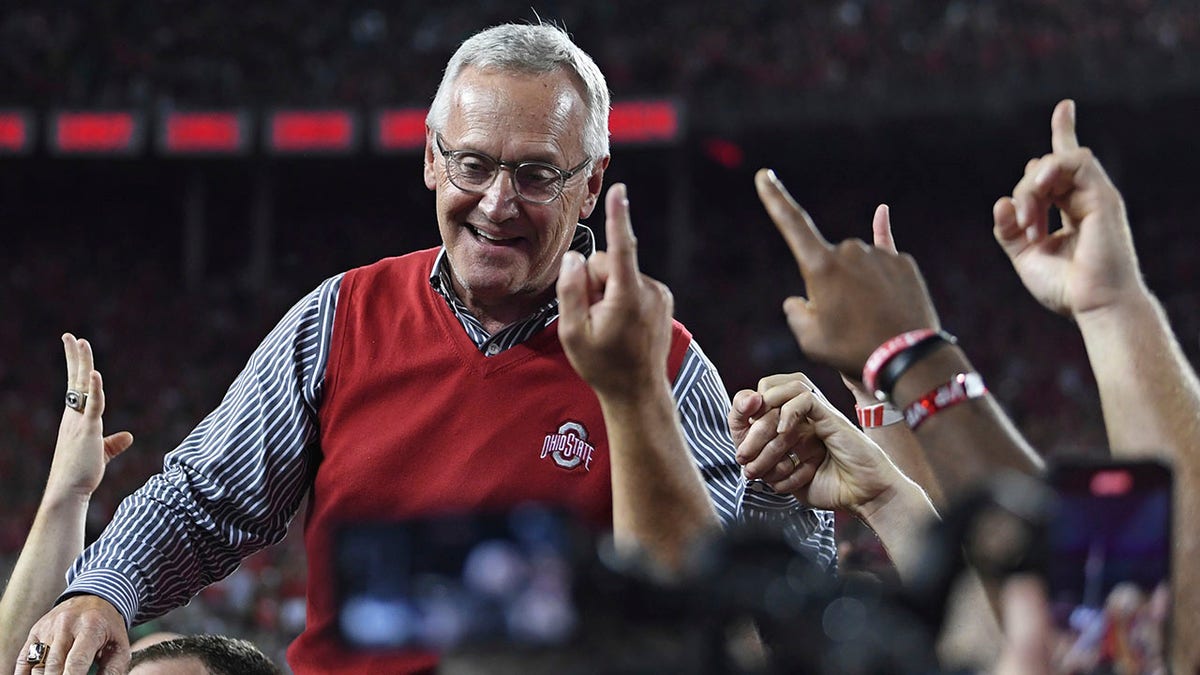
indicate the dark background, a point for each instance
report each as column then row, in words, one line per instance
column 930, row 107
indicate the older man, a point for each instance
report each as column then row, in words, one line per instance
column 430, row 382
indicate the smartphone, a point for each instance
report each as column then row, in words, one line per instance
column 448, row 581
column 1108, row 565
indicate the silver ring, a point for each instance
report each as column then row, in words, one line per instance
column 795, row 460
column 37, row 653
column 76, row 400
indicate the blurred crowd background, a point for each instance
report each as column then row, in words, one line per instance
column 176, row 268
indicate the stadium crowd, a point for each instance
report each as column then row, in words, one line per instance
column 229, row 53
column 104, row 263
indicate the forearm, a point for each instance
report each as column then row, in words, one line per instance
column 968, row 442
column 1151, row 402
column 899, row 518
column 1148, row 390
column 54, row 541
column 903, row 448
column 660, row 503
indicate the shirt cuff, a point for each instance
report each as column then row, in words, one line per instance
column 107, row 585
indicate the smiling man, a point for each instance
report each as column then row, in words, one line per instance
column 420, row 384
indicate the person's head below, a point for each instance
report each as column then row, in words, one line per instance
column 201, row 655
column 516, row 147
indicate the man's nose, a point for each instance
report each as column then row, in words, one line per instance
column 500, row 199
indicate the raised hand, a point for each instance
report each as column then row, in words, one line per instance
column 84, row 628
column 82, row 451
column 614, row 322
column 858, row 295
column 615, row 326
column 1089, row 263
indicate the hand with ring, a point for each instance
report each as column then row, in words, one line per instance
column 783, row 461
column 56, row 537
column 82, row 451
column 830, row 463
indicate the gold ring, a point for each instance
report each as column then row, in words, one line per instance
column 37, row 653
column 795, row 460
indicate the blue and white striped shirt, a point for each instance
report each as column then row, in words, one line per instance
column 233, row 485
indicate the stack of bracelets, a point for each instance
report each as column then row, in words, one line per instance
column 891, row 359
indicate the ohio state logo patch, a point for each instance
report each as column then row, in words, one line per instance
column 568, row 447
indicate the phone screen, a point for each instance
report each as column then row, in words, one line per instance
column 1108, row 568
column 442, row 582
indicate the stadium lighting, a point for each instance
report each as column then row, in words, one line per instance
column 312, row 131
column 118, row 132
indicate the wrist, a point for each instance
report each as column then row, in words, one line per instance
column 636, row 395
column 1135, row 305
column 901, row 502
column 894, row 357
column 932, row 371
column 64, row 500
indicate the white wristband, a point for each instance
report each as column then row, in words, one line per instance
column 878, row 415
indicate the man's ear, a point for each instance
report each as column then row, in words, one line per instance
column 430, row 174
column 595, row 184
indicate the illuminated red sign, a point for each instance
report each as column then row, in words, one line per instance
column 400, row 129
column 16, row 134
column 203, row 132
column 320, row 131
column 644, row 122
column 117, row 132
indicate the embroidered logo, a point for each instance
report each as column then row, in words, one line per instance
column 569, row 447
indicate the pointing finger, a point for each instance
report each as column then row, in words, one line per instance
column 881, row 229
column 793, row 222
column 622, row 244
column 1062, row 127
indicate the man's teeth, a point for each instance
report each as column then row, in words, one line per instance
column 487, row 236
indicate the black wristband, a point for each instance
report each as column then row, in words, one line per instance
column 891, row 371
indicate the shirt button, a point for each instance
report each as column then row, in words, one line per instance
column 493, row 349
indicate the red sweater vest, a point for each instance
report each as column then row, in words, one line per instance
column 416, row 421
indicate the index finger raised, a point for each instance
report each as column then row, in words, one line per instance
column 622, row 244
column 793, row 222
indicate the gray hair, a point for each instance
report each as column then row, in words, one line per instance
column 535, row 50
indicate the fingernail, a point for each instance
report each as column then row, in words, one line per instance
column 1031, row 233
column 570, row 262
column 1071, row 110
column 1043, row 175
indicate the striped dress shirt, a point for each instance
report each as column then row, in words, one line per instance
column 235, row 482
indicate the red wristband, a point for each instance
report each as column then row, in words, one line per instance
column 962, row 387
column 878, row 415
column 884, row 353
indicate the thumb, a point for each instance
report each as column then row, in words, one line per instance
column 572, row 296
column 115, row 444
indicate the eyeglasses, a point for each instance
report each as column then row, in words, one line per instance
column 536, row 182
